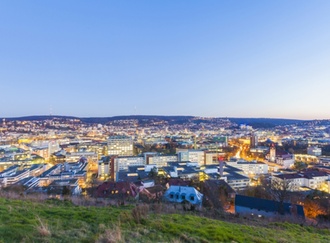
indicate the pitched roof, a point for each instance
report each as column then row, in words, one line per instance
column 183, row 190
column 123, row 188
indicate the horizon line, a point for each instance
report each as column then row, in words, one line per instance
column 193, row 116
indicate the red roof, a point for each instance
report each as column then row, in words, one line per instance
column 115, row 189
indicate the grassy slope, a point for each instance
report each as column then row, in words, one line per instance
column 21, row 221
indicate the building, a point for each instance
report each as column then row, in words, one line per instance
column 184, row 170
column 237, row 181
column 314, row 151
column 75, row 156
column 181, row 194
column 124, row 162
column 213, row 157
column 266, row 208
column 296, row 181
column 325, row 160
column 104, row 168
column 253, row 141
column 250, row 168
column 64, row 187
column 159, row 160
column 231, row 175
column 221, row 141
column 192, row 156
column 284, row 159
column 117, row 190
column 120, row 145
column 272, row 154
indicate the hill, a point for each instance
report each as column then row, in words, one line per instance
column 265, row 122
column 62, row 221
column 254, row 122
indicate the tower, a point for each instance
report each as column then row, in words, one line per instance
column 253, row 141
column 221, row 165
column 272, row 153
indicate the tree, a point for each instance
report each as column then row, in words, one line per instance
column 313, row 209
column 66, row 191
column 153, row 173
column 280, row 190
column 300, row 165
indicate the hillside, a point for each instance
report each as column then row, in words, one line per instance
column 61, row 221
column 254, row 122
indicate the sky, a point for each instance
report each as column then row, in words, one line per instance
column 248, row 58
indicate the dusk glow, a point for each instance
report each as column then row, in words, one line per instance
column 203, row 58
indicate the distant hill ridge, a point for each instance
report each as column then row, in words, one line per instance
column 254, row 122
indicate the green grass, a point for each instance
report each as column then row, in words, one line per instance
column 61, row 221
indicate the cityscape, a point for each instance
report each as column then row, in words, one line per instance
column 149, row 158
column 165, row 121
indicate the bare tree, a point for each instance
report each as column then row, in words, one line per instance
column 280, row 189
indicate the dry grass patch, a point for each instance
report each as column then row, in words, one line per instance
column 140, row 212
column 42, row 228
column 113, row 235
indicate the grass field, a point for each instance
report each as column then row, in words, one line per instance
column 61, row 221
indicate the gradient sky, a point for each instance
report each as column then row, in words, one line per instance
column 244, row 58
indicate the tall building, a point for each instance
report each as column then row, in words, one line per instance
column 272, row 154
column 122, row 164
column 120, row 145
column 192, row 156
column 253, row 141
column 104, row 167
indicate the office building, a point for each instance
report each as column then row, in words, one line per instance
column 314, row 151
column 120, row 145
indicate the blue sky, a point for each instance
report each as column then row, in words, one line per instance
column 244, row 58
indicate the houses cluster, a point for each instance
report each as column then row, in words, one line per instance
column 60, row 179
column 303, row 180
column 127, row 156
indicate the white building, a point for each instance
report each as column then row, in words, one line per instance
column 180, row 194
column 314, row 151
column 285, row 162
column 74, row 157
column 122, row 163
column 120, row 145
column 272, row 154
column 310, row 179
column 250, row 168
column 159, row 160
column 104, row 167
column 192, row 156
column 212, row 157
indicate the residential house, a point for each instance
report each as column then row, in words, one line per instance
column 181, row 194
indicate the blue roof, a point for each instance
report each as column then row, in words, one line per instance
column 267, row 205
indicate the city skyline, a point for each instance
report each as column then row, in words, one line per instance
column 210, row 59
